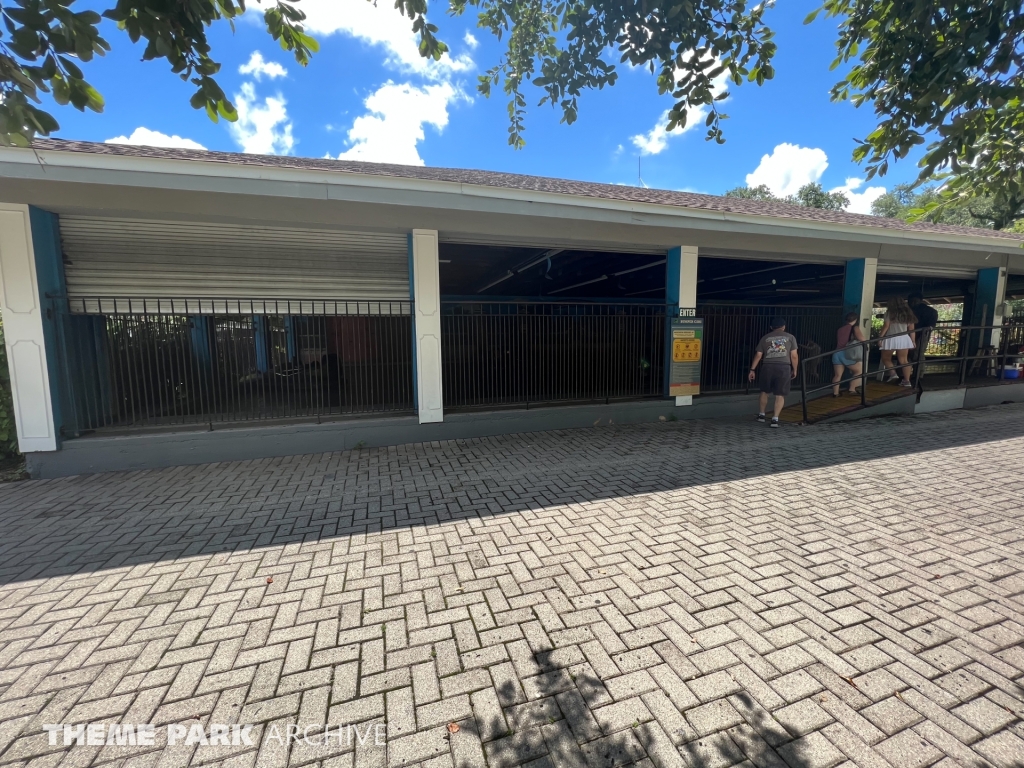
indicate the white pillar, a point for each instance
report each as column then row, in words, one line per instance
column 680, row 291
column 23, row 332
column 426, row 295
column 687, row 291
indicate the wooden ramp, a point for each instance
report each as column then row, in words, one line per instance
column 826, row 407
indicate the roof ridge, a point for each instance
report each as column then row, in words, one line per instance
column 529, row 182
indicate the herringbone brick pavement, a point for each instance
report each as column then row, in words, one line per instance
column 683, row 594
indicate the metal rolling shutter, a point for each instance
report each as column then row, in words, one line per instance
column 927, row 270
column 134, row 258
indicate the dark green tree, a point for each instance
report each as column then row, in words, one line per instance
column 562, row 48
column 809, row 196
column 814, row 196
column 918, row 203
column 945, row 74
column 760, row 192
column 42, row 43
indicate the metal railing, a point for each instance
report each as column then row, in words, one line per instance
column 525, row 353
column 964, row 347
column 142, row 363
column 731, row 332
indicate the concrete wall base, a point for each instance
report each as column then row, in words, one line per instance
column 978, row 397
column 901, row 406
column 972, row 397
column 169, row 449
column 940, row 400
column 99, row 453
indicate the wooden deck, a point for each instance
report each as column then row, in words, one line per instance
column 828, row 406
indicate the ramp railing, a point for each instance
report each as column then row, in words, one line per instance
column 969, row 348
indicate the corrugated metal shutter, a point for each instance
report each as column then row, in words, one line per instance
column 926, row 270
column 141, row 259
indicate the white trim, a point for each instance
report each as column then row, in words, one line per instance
column 23, row 332
column 688, row 276
column 867, row 295
column 333, row 180
column 687, row 293
column 427, row 303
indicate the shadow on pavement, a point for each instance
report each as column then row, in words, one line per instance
column 94, row 522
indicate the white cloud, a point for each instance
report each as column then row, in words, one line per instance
column 261, row 129
column 380, row 24
column 146, row 138
column 260, row 68
column 393, row 125
column 860, row 202
column 470, row 40
column 655, row 140
column 788, row 168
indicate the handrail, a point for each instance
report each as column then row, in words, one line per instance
column 923, row 335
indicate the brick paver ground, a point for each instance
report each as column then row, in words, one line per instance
column 683, row 594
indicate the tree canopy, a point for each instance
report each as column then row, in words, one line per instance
column 809, row 195
column 919, row 204
column 948, row 74
column 560, row 47
column 41, row 40
column 944, row 75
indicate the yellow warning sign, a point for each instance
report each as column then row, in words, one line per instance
column 685, row 350
column 687, row 346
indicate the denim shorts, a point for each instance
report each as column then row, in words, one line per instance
column 840, row 358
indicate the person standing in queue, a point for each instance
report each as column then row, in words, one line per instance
column 849, row 353
column 927, row 317
column 778, row 351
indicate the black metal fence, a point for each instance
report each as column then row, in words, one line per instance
column 153, row 362
column 506, row 353
column 132, row 363
column 731, row 333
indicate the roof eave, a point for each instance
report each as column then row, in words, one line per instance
column 73, row 160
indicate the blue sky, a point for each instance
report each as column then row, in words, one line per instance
column 367, row 95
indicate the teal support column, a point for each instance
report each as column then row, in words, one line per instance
column 88, row 373
column 291, row 337
column 671, row 309
column 53, row 301
column 203, row 341
column 859, row 290
column 989, row 300
column 261, row 336
column 412, row 300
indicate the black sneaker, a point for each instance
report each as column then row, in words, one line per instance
column 760, row 417
column 774, row 424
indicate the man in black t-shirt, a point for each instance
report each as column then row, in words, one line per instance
column 778, row 349
column 926, row 316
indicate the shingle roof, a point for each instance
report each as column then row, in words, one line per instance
column 515, row 181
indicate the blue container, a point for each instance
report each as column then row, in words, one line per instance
column 1011, row 372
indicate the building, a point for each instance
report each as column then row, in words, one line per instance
column 169, row 306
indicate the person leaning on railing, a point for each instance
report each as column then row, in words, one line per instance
column 849, row 353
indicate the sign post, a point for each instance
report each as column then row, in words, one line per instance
column 687, row 345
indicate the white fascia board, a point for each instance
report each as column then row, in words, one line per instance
column 191, row 175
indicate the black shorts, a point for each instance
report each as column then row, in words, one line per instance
column 776, row 379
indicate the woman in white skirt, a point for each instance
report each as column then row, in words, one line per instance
column 897, row 337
